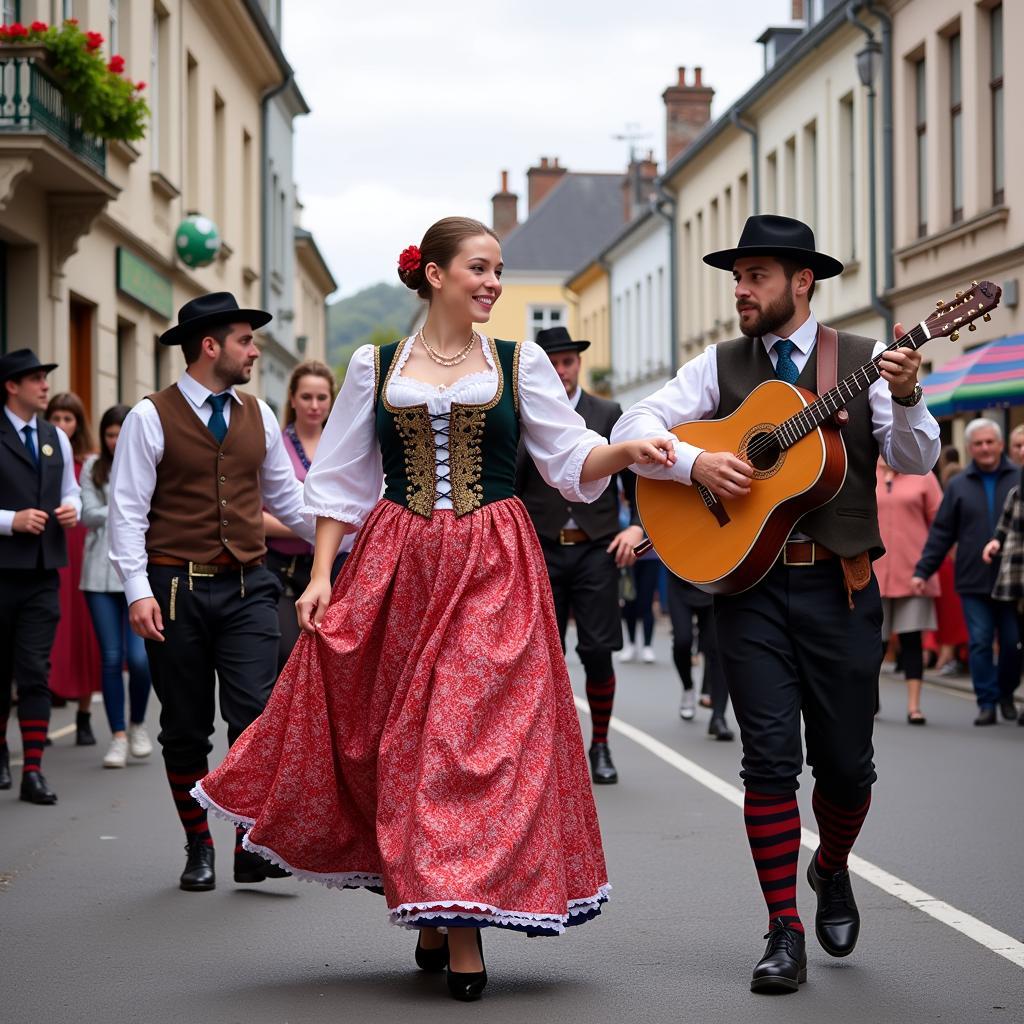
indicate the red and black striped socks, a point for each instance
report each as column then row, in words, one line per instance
column 193, row 817
column 838, row 828
column 773, row 831
column 33, row 740
column 600, row 691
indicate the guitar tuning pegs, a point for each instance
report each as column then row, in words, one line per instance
column 958, row 295
column 987, row 317
column 974, row 284
column 972, row 327
column 939, row 304
column 955, row 336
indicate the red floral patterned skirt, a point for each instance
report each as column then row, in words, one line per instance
column 425, row 741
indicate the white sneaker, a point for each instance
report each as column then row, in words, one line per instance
column 117, row 755
column 627, row 653
column 139, row 742
column 648, row 656
column 688, row 705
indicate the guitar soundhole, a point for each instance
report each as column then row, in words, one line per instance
column 762, row 451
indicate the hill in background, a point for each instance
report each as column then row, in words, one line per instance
column 378, row 314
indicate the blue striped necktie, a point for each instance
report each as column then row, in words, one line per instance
column 785, row 368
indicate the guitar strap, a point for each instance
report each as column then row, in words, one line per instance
column 828, row 368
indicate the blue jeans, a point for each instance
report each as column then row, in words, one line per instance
column 118, row 644
column 987, row 619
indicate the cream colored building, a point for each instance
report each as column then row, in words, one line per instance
column 88, row 240
column 590, row 289
column 313, row 282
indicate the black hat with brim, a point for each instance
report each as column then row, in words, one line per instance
column 212, row 310
column 20, row 363
column 782, row 237
column 558, row 339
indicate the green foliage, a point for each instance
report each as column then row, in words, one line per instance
column 377, row 315
column 109, row 104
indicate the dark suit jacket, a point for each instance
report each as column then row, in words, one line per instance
column 549, row 510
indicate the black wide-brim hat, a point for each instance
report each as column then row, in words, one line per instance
column 558, row 339
column 211, row 310
column 20, row 363
column 768, row 234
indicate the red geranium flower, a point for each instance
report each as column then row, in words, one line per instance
column 38, row 26
column 17, row 30
column 116, row 64
column 93, row 40
column 409, row 259
column 140, row 86
column 71, row 21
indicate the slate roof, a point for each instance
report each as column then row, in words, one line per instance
column 574, row 221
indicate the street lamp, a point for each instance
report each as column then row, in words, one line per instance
column 869, row 60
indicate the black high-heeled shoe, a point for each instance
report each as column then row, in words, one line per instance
column 466, row 986
column 432, row 960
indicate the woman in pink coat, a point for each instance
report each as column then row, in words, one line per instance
column 906, row 508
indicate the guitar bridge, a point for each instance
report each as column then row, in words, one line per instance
column 713, row 505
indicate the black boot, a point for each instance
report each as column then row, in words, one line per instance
column 837, row 921
column 718, row 728
column 783, row 968
column 198, row 875
column 5, row 768
column 466, row 986
column 602, row 769
column 251, row 867
column 83, row 730
column 34, row 790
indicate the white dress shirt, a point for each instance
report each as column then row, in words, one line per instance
column 69, row 490
column 347, row 475
column 908, row 438
column 140, row 447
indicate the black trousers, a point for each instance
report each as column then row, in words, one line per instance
column 585, row 582
column 212, row 632
column 685, row 602
column 29, row 613
column 792, row 645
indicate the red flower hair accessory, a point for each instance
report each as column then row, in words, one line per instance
column 410, row 259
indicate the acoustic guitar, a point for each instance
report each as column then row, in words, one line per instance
column 789, row 437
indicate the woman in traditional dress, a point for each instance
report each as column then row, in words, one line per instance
column 422, row 740
column 75, row 657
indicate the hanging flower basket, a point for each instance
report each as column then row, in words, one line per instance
column 108, row 103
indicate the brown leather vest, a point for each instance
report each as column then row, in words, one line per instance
column 207, row 497
column 848, row 524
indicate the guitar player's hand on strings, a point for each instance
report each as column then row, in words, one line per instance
column 722, row 473
column 900, row 366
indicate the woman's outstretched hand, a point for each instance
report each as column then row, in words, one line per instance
column 312, row 606
column 654, row 451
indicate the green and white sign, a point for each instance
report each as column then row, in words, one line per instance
column 141, row 282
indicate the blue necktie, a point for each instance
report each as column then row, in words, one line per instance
column 30, row 444
column 218, row 425
column 785, row 368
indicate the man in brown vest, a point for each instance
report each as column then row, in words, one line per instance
column 194, row 467
column 792, row 644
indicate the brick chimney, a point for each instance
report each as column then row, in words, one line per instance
column 687, row 111
column 638, row 185
column 504, row 208
column 542, row 179
column 798, row 10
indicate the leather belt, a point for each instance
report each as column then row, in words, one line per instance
column 805, row 552
column 573, row 536
column 222, row 563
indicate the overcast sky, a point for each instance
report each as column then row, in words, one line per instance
column 417, row 107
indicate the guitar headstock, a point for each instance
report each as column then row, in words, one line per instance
column 977, row 302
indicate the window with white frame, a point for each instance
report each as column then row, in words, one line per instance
column 956, row 130
column 9, row 11
column 996, row 88
column 113, row 30
column 921, row 110
column 540, row 318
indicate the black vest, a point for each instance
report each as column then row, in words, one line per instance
column 548, row 509
column 24, row 486
column 848, row 524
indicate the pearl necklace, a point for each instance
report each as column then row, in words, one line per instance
column 446, row 360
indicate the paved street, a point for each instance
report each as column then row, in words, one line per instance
column 94, row 929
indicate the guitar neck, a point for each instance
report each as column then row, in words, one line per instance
column 826, row 405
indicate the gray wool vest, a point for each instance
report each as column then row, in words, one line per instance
column 848, row 524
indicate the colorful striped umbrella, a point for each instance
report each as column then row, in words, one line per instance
column 989, row 375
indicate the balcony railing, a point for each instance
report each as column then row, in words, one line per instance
column 31, row 100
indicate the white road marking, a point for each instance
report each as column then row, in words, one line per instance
column 991, row 938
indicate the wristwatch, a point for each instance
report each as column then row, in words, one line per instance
column 912, row 399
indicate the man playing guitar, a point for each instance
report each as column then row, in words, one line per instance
column 804, row 638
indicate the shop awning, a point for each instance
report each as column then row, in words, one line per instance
column 989, row 375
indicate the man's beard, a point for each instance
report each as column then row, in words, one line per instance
column 230, row 375
column 772, row 317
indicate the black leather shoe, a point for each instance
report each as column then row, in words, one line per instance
column 83, row 730
column 602, row 769
column 718, row 728
column 467, row 986
column 986, row 716
column 5, row 769
column 1009, row 709
column 34, row 790
column 251, row 867
column 198, row 875
column 837, row 920
column 783, row 968
column 432, row 960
